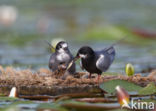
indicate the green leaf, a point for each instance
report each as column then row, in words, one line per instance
column 83, row 106
column 51, row 106
column 118, row 110
column 148, row 90
column 8, row 99
column 109, row 86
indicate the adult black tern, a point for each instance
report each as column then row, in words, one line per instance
column 95, row 61
column 62, row 56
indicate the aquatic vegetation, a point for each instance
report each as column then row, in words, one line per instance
column 129, row 69
column 31, row 82
column 113, row 32
column 148, row 90
column 111, row 85
column 89, row 100
column 122, row 96
column 51, row 106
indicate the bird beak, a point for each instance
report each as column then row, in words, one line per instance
column 71, row 63
column 65, row 48
column 76, row 58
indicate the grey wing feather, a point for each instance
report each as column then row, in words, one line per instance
column 110, row 52
column 103, row 63
column 52, row 62
column 105, row 59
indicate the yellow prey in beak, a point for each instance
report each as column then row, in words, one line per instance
column 71, row 63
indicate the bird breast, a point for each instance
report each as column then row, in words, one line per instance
column 63, row 57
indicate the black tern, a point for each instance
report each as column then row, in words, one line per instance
column 61, row 56
column 95, row 61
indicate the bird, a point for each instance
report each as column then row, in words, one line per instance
column 95, row 61
column 61, row 57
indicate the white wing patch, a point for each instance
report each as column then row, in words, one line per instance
column 100, row 61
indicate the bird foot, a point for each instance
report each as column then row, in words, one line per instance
column 98, row 79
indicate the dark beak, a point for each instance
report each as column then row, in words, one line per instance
column 66, row 48
column 76, row 58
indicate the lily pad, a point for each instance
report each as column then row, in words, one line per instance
column 149, row 100
column 148, row 90
column 110, row 86
column 8, row 99
column 90, row 107
column 51, row 106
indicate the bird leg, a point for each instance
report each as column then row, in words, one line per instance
column 89, row 75
column 98, row 79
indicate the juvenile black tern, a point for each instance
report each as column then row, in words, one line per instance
column 62, row 56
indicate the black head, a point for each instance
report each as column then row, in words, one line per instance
column 62, row 47
column 85, row 52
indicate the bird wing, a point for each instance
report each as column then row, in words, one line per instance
column 105, row 58
column 110, row 51
column 100, row 63
column 52, row 62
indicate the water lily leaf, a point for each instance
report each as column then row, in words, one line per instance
column 90, row 107
column 10, row 108
column 109, row 86
column 51, row 106
column 118, row 109
column 149, row 100
column 148, row 90
column 8, row 99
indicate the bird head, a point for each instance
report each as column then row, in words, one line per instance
column 61, row 47
column 85, row 52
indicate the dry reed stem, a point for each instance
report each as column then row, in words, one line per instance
column 44, row 77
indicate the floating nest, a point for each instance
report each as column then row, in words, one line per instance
column 53, row 82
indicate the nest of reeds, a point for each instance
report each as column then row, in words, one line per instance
column 44, row 77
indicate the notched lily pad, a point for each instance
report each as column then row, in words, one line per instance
column 109, row 86
column 148, row 90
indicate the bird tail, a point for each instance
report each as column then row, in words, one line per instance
column 111, row 52
column 112, row 46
